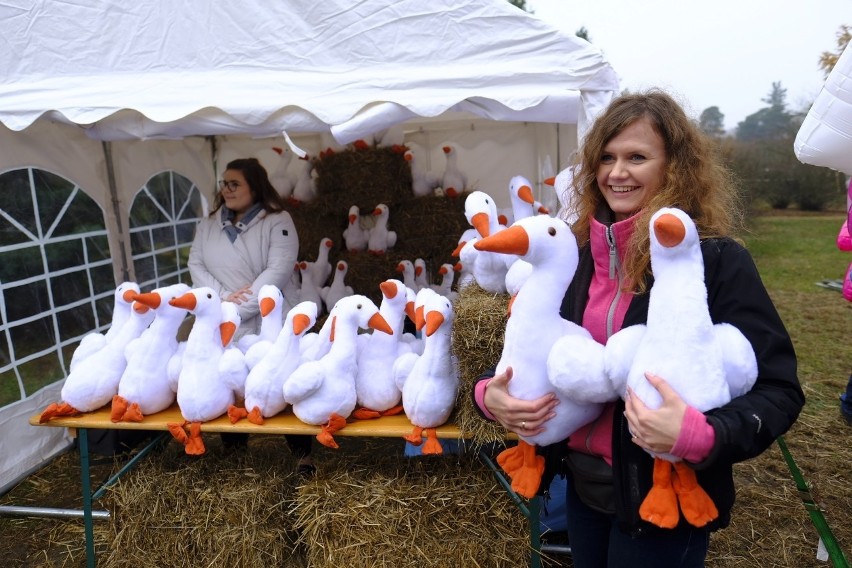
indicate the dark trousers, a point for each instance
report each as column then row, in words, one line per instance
column 597, row 542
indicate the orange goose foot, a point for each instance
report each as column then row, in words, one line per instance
column 255, row 416
column 365, row 413
column 235, row 413
column 326, row 435
column 660, row 505
column 432, row 446
column 195, row 445
column 697, row 507
column 133, row 413
column 119, row 407
column 393, row 411
column 53, row 410
column 416, row 436
column 527, row 478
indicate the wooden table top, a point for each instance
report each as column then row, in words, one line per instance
column 284, row 423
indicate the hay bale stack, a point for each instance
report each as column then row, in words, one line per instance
column 477, row 343
column 222, row 509
column 427, row 227
column 388, row 510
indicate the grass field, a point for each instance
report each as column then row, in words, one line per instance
column 770, row 524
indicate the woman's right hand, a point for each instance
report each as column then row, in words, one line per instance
column 239, row 296
column 523, row 417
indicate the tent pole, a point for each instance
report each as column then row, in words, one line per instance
column 116, row 210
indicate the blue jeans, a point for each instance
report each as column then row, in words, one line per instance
column 597, row 542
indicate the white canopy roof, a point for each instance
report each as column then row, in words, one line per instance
column 161, row 69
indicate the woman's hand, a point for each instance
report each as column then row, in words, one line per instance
column 239, row 296
column 523, row 417
column 655, row 430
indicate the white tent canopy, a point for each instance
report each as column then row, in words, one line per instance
column 107, row 94
column 157, row 69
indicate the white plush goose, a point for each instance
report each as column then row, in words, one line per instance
column 264, row 395
column 454, row 181
column 376, row 391
column 145, row 387
column 309, row 291
column 445, row 286
column 406, row 268
column 204, row 389
column 94, row 381
column 270, row 300
column 338, row 288
column 305, row 188
column 421, row 274
column 430, row 384
column 532, row 330
column 354, row 235
column 124, row 295
column 280, row 178
column 706, row 363
column 422, row 182
column 488, row 268
column 322, row 392
column 381, row 238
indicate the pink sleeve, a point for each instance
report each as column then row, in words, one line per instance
column 696, row 437
column 479, row 397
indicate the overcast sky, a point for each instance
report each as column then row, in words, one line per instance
column 725, row 53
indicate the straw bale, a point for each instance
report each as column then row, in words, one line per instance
column 220, row 509
column 477, row 343
column 383, row 509
column 427, row 227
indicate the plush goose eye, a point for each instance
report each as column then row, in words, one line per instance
column 209, row 296
column 551, row 231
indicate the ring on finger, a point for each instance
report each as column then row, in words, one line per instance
column 523, row 425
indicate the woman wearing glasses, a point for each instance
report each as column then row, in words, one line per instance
column 247, row 241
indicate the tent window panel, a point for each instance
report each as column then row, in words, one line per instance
column 52, row 192
column 195, row 208
column 97, row 248
column 160, row 188
column 70, row 288
column 167, row 262
column 145, row 212
column 82, row 216
column 9, row 390
column 163, row 237
column 103, row 280
column 9, row 233
column 26, row 301
column 16, row 199
column 104, row 307
column 41, row 372
column 75, row 322
column 183, row 256
column 140, row 242
column 33, row 337
column 145, row 269
column 20, row 264
column 64, row 254
column 185, row 232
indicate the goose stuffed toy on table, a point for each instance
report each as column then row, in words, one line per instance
column 211, row 375
column 488, row 268
column 338, row 288
column 707, row 364
column 423, row 183
column 376, row 391
column 281, row 179
column 429, row 382
column 145, row 387
column 94, row 380
column 270, row 300
column 322, row 392
column 264, row 395
column 93, row 341
column 533, row 329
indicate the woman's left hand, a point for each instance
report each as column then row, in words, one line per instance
column 655, row 430
column 240, row 296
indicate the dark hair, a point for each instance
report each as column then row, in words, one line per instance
column 258, row 182
column 694, row 180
